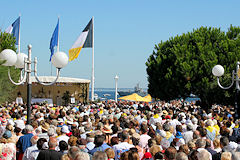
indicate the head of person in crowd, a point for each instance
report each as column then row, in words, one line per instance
column 133, row 155
column 181, row 156
column 99, row 155
column 224, row 142
column 63, row 146
column 82, row 156
column 99, row 140
column 72, row 152
column 51, row 132
column 52, row 143
column 203, row 154
column 29, row 129
column 201, row 143
column 151, row 142
column 115, row 140
column 110, row 153
column 72, row 141
column 154, row 149
column 40, row 143
column 184, row 148
column 81, row 143
column 34, row 139
column 170, row 153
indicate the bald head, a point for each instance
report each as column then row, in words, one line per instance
column 52, row 143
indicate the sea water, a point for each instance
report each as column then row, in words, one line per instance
column 109, row 93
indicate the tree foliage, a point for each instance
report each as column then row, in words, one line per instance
column 7, row 41
column 183, row 65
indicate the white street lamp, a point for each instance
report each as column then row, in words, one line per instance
column 218, row 71
column 23, row 62
column 116, row 80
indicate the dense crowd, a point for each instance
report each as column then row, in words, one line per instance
column 122, row 131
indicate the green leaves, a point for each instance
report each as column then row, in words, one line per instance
column 183, row 65
column 6, row 87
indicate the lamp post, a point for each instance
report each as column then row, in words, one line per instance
column 23, row 62
column 116, row 80
column 218, row 71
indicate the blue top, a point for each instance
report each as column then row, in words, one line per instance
column 24, row 142
column 101, row 148
column 105, row 146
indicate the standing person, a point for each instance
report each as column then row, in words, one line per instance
column 19, row 122
column 63, row 136
column 25, row 141
column 51, row 153
column 123, row 146
column 40, row 146
column 27, row 152
column 144, row 136
column 7, row 147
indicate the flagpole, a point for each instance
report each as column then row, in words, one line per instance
column 19, row 34
column 92, row 59
column 58, row 36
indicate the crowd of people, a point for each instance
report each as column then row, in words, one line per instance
column 175, row 130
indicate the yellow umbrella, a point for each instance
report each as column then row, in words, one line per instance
column 147, row 98
column 132, row 97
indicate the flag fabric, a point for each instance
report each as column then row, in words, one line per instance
column 54, row 40
column 83, row 41
column 14, row 29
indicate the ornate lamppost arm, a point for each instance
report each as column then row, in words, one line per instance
column 35, row 74
column 22, row 79
column 219, row 84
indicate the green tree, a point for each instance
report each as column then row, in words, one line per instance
column 7, row 41
column 183, row 65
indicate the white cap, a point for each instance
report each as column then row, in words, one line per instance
column 65, row 129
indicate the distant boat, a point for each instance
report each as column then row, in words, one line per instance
column 106, row 95
column 95, row 96
column 137, row 90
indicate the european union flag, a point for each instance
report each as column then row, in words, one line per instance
column 54, row 40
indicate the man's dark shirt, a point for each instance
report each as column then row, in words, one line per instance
column 210, row 150
column 49, row 155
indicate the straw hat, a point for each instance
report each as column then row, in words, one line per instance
column 45, row 126
column 106, row 129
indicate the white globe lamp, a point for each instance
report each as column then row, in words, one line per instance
column 218, row 70
column 20, row 60
column 59, row 59
column 10, row 57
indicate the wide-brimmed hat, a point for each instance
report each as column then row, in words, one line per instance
column 164, row 112
column 45, row 126
column 106, row 129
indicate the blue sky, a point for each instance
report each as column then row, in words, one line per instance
column 125, row 31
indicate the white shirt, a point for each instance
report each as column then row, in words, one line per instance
column 19, row 100
column 63, row 138
column 121, row 147
column 188, row 136
column 143, row 142
column 28, row 151
column 155, row 120
column 174, row 123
